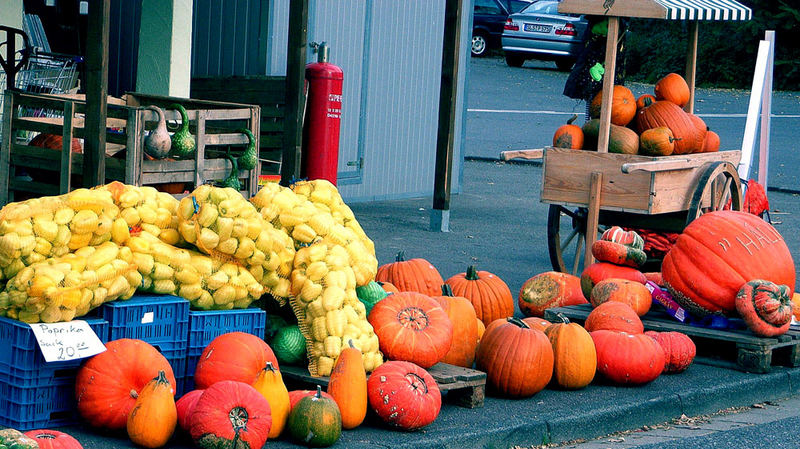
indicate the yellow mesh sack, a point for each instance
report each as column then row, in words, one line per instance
column 145, row 209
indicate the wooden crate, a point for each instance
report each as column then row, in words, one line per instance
column 735, row 348
column 464, row 387
column 56, row 172
column 667, row 186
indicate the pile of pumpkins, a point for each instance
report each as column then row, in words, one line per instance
column 651, row 125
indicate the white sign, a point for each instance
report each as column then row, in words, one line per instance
column 67, row 341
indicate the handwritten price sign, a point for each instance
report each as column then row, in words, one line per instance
column 67, row 341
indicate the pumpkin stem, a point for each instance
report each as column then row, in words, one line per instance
column 45, row 436
column 269, row 367
column 472, row 273
column 134, row 394
column 447, row 290
column 562, row 317
column 518, row 322
column 401, row 256
column 161, row 377
column 350, row 343
column 572, row 119
column 318, row 394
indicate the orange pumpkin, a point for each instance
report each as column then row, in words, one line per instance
column 631, row 293
column 574, row 355
column 489, row 295
column 598, row 271
column 348, row 386
column 536, row 323
column 645, row 101
column 698, row 123
column 388, row 287
column 623, row 105
column 615, row 316
column 235, row 356
column 711, row 142
column 673, row 88
column 796, row 305
column 465, row 328
column 666, row 113
column 657, row 142
column 569, row 135
column 415, row 275
column 549, row 289
column 153, row 418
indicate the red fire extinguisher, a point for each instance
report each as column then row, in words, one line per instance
column 323, row 116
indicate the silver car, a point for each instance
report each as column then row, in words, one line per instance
column 541, row 32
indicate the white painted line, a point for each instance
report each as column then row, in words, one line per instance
column 518, row 111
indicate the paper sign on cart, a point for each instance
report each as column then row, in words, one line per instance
column 67, row 341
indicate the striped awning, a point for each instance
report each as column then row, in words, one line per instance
column 660, row 9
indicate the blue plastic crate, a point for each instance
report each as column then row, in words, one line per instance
column 21, row 361
column 151, row 318
column 43, row 406
column 177, row 360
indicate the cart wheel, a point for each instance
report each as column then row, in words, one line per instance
column 720, row 183
column 566, row 234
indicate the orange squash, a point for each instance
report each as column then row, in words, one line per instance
column 413, row 275
column 389, row 287
column 269, row 383
column 569, row 135
column 711, row 142
column 549, row 289
column 657, row 142
column 489, row 295
column 614, row 316
column 154, row 416
column 698, row 123
column 623, row 105
column 631, row 293
column 666, row 113
column 674, row 89
column 465, row 329
column 574, row 355
column 348, row 386
column 536, row 323
column 645, row 101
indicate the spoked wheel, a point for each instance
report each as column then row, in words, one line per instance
column 566, row 234
column 718, row 188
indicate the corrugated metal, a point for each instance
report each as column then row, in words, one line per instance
column 123, row 46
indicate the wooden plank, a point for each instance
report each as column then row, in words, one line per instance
column 608, row 84
column 532, row 154
column 33, row 187
column 691, row 64
column 96, row 93
column 200, row 151
column 77, row 121
column 622, row 8
column 133, row 157
column 593, row 215
column 295, row 89
column 227, row 139
column 5, row 147
column 65, row 178
column 255, row 129
column 673, row 190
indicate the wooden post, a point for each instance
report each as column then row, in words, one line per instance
column 608, row 84
column 66, row 149
column 766, row 112
column 445, row 140
column 691, row 65
column 94, row 153
column 295, row 90
column 593, row 216
column 200, row 151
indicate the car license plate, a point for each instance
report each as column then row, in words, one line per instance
column 532, row 27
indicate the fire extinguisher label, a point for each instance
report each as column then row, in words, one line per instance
column 334, row 106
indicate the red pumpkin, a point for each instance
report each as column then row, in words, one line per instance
column 625, row 358
column 668, row 114
column 598, row 271
column 231, row 414
column 518, row 360
column 616, row 316
column 720, row 251
column 415, row 275
column 618, row 254
column 235, row 356
column 185, row 406
column 53, row 439
column 679, row 350
column 547, row 290
column 673, row 88
column 631, row 293
column 711, row 142
column 569, row 135
column 766, row 307
column 623, row 105
column 412, row 327
column 489, row 295
column 655, row 277
column 296, row 395
column 404, row 395
column 108, row 384
column 465, row 328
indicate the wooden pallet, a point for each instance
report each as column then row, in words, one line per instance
column 715, row 346
column 465, row 387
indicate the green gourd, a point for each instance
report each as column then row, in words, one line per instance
column 248, row 159
column 370, row 294
column 289, row 345
column 233, row 178
column 183, row 144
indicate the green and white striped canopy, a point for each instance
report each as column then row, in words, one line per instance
column 660, row 9
column 705, row 10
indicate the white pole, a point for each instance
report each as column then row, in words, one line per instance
column 766, row 112
column 749, row 140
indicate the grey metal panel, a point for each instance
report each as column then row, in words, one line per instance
column 123, row 46
column 278, row 37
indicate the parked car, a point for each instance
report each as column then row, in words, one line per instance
column 540, row 32
column 488, row 18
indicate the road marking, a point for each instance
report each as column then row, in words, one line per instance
column 518, row 111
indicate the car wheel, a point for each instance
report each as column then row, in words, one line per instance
column 565, row 65
column 480, row 44
column 514, row 60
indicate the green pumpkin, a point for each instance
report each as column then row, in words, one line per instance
column 249, row 159
column 289, row 345
column 315, row 421
column 275, row 323
column 183, row 144
column 370, row 294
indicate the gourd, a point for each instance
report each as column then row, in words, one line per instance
column 50, row 439
column 488, row 293
column 598, row 271
column 231, row 415
column 235, row 356
column 547, row 290
column 315, row 421
column 185, row 407
column 569, row 135
column 183, row 144
column 631, row 293
column 296, row 395
column 517, row 360
column 249, row 159
column 412, row 327
column 623, row 105
column 232, row 180
column 158, row 143
column 765, row 306
column 679, row 350
column 348, row 387
column 613, row 315
column 674, row 89
column 574, row 355
column 370, row 294
column 270, row 384
column 618, row 235
column 153, row 418
column 107, row 386
column 625, row 358
column 465, row 329
column 415, row 275
column 717, row 253
column 404, row 395
column 665, row 113
column 620, row 139
column 289, row 344
column 657, row 142
column 618, row 254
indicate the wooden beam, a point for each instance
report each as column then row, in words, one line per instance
column 295, row 90
column 691, row 64
column 620, row 8
column 608, row 83
column 445, row 141
column 592, row 219
column 94, row 167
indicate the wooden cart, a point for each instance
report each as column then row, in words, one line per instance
column 588, row 191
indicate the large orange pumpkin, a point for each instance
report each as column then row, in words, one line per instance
column 569, row 135
column 598, row 271
column 412, row 327
column 415, row 275
column 613, row 315
column 404, row 395
column 489, row 295
column 108, row 385
column 657, row 142
column 233, row 356
column 623, row 105
column 517, row 360
column 231, row 414
column 547, row 290
column 625, row 358
column 465, row 328
column 666, row 113
column 574, row 355
column 720, row 251
column 674, row 89
column 632, row 293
